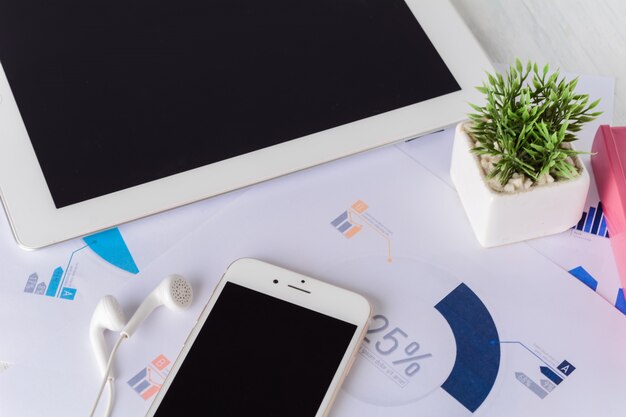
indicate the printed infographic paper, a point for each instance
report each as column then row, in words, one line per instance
column 457, row 330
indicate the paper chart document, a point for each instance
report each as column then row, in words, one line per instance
column 457, row 330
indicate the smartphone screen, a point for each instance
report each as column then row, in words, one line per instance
column 257, row 355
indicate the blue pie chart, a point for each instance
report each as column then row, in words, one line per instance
column 111, row 247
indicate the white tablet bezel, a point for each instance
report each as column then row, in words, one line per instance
column 322, row 297
column 36, row 222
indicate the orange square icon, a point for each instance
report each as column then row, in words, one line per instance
column 359, row 206
column 160, row 362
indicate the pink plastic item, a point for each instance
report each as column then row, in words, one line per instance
column 609, row 168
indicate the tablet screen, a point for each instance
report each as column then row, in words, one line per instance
column 117, row 94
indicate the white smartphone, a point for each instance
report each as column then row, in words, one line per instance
column 270, row 342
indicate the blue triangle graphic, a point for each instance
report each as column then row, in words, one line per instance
column 110, row 246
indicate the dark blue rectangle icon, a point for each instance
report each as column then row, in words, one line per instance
column 585, row 277
column 589, row 222
column 581, row 222
column 597, row 220
column 137, row 378
column 142, row 386
column 342, row 217
column 551, row 375
column 345, row 226
column 566, row 367
column 620, row 301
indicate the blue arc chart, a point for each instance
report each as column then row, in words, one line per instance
column 477, row 356
column 109, row 245
column 430, row 346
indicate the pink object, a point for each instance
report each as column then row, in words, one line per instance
column 609, row 168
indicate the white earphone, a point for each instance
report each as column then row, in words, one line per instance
column 108, row 315
column 174, row 292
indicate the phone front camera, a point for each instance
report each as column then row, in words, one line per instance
column 302, row 281
column 275, row 281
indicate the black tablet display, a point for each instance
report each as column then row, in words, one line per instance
column 117, row 94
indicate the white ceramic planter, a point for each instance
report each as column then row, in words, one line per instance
column 501, row 218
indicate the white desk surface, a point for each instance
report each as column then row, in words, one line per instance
column 580, row 36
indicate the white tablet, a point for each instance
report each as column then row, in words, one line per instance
column 110, row 111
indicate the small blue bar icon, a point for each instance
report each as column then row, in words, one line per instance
column 55, row 281
column 551, row 375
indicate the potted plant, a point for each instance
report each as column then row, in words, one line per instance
column 513, row 163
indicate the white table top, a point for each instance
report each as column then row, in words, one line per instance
column 581, row 36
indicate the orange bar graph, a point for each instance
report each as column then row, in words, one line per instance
column 353, row 231
column 149, row 392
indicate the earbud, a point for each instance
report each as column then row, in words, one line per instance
column 108, row 315
column 174, row 292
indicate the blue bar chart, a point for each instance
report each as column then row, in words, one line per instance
column 149, row 380
column 54, row 287
column 345, row 225
column 549, row 375
column 110, row 247
column 593, row 222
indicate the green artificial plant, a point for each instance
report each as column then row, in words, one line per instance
column 528, row 121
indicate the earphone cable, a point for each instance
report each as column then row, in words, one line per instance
column 106, row 379
column 109, row 409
